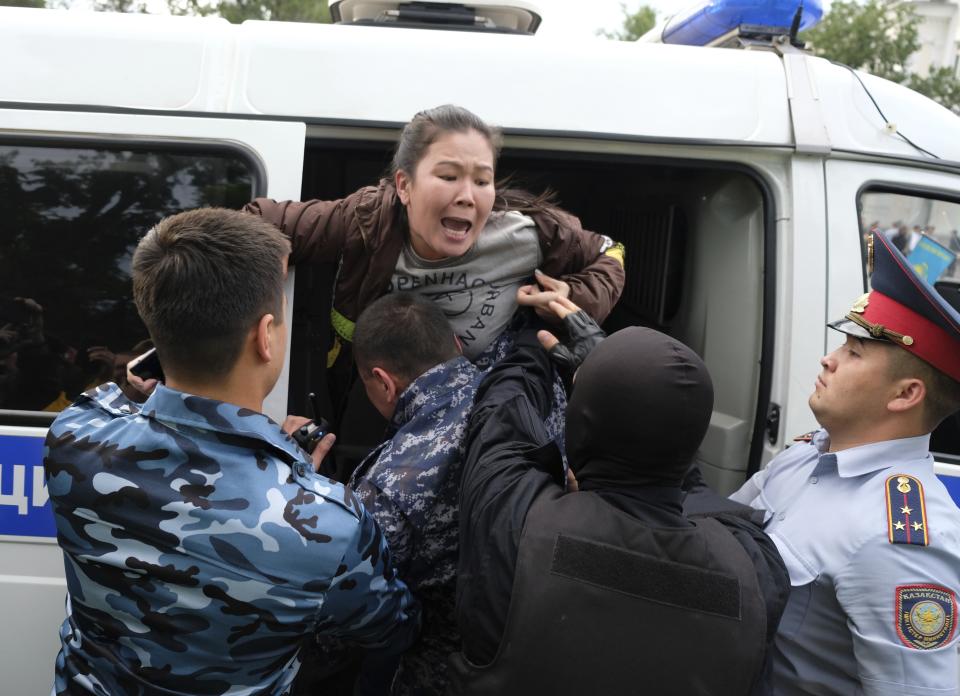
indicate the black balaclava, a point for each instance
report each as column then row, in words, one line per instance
column 640, row 406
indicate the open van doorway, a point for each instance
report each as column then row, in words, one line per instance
column 696, row 233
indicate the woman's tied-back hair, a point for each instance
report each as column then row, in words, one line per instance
column 430, row 124
column 201, row 280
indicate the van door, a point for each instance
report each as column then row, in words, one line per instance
column 920, row 211
column 77, row 191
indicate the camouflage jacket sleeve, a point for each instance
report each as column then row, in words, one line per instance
column 366, row 603
column 394, row 524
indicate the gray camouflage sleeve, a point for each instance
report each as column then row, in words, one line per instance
column 393, row 522
column 367, row 603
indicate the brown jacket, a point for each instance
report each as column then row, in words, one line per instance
column 365, row 233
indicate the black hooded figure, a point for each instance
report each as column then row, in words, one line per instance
column 638, row 412
column 610, row 588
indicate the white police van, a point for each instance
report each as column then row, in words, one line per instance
column 741, row 182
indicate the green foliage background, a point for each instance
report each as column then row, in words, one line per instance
column 635, row 24
column 879, row 36
column 233, row 10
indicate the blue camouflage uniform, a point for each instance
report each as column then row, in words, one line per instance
column 201, row 549
column 871, row 539
column 411, row 485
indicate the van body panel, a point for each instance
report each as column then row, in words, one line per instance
column 572, row 81
column 32, row 587
column 950, row 475
column 801, row 299
column 207, row 65
column 855, row 124
column 156, row 62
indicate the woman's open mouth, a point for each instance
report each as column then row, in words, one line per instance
column 456, row 227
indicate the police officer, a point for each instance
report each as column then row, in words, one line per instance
column 609, row 589
column 200, row 546
column 869, row 534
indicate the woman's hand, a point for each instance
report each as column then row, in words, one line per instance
column 540, row 295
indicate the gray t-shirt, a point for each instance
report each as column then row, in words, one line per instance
column 477, row 291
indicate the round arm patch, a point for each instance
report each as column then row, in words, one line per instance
column 925, row 615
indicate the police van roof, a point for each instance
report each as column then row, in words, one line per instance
column 345, row 73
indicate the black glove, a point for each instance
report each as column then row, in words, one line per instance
column 583, row 335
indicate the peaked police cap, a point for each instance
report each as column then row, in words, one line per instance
column 904, row 309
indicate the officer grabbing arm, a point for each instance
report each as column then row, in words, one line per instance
column 609, row 589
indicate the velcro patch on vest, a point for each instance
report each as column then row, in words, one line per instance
column 906, row 511
column 926, row 616
column 647, row 577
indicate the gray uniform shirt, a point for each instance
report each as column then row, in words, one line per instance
column 872, row 610
column 477, row 291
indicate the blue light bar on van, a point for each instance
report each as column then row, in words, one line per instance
column 709, row 20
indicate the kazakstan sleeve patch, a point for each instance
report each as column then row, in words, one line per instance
column 926, row 616
column 906, row 511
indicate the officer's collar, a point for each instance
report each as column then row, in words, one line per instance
column 866, row 459
column 428, row 387
column 180, row 408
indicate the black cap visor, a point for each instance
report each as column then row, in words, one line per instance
column 851, row 328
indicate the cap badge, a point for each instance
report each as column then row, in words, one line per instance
column 860, row 305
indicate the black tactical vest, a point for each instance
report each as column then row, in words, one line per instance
column 603, row 604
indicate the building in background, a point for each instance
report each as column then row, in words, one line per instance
column 939, row 34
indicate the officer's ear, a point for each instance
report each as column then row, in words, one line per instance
column 265, row 337
column 386, row 384
column 909, row 393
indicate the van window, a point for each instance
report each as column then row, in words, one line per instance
column 70, row 218
column 925, row 228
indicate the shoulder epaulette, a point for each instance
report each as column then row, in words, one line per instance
column 906, row 511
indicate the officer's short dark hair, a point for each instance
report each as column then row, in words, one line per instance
column 943, row 392
column 201, row 281
column 403, row 334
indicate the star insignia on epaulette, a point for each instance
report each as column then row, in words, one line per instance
column 906, row 512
